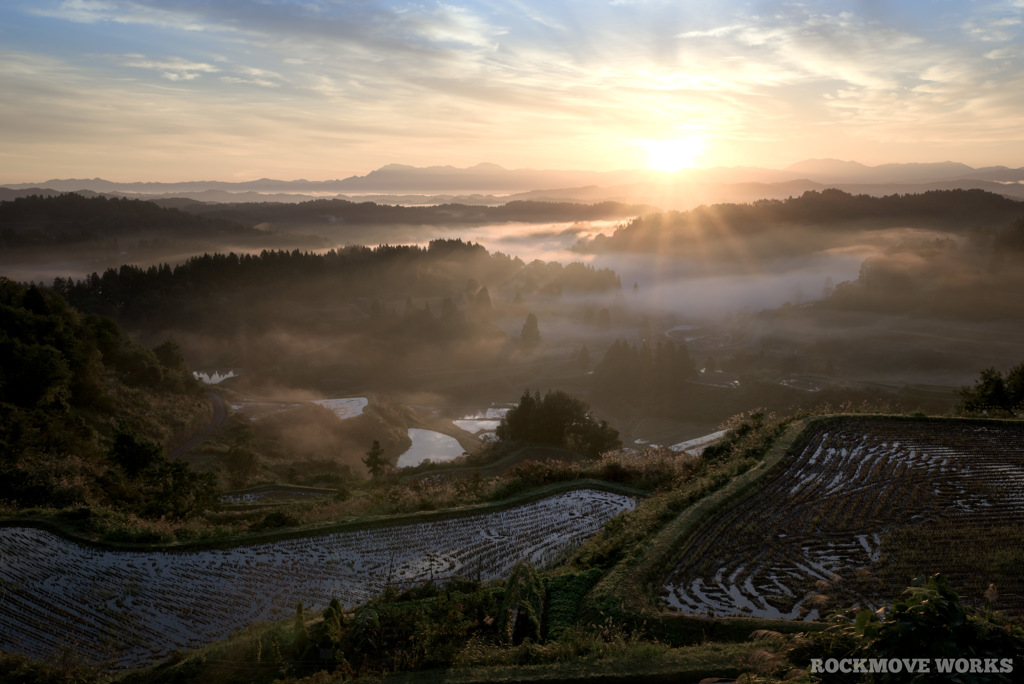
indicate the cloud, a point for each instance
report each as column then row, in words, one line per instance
column 717, row 32
column 173, row 69
column 122, row 12
column 519, row 82
column 259, row 77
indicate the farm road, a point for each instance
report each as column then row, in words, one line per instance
column 220, row 414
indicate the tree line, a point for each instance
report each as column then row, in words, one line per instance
column 631, row 370
column 181, row 294
column 560, row 420
column 831, row 210
column 371, row 213
column 70, row 218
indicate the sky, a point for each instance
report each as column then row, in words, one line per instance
column 233, row 90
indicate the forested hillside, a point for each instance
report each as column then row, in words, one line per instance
column 801, row 224
column 362, row 213
column 71, row 219
column 369, row 314
column 84, row 411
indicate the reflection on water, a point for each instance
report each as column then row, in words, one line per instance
column 213, row 378
column 349, row 407
column 429, row 444
column 481, row 421
column 475, row 426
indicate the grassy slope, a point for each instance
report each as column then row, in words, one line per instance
column 629, row 590
column 685, row 664
column 641, row 545
column 60, row 527
column 637, row 550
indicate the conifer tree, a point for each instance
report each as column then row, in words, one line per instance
column 299, row 627
column 531, row 332
column 374, row 460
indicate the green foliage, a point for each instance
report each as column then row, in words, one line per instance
column 365, row 632
column 275, row 520
column 33, row 375
column 66, row 668
column 564, row 595
column 330, row 633
column 132, row 453
column 523, row 605
column 928, row 621
column 177, row 492
column 375, row 461
column 641, row 546
column 559, row 420
column 59, row 387
column 993, row 394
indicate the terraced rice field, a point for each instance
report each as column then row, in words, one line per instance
column 130, row 608
column 345, row 408
column 867, row 505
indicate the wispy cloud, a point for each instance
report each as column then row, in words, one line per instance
column 173, row 69
column 519, row 82
column 122, row 12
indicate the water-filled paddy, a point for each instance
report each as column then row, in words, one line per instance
column 135, row 607
column 428, row 444
column 481, row 421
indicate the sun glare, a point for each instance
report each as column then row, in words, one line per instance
column 674, row 155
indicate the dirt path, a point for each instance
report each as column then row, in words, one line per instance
column 220, row 414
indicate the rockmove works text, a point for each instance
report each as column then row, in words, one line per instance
column 912, row 665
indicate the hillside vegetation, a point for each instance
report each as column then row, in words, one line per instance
column 799, row 225
column 85, row 410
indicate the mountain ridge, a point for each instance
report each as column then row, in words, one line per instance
column 488, row 183
column 814, row 169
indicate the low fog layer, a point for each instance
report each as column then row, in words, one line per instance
column 823, row 299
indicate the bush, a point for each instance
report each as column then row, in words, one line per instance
column 559, row 420
column 275, row 520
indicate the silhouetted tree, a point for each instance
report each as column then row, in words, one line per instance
column 530, row 335
column 301, row 636
column 994, row 393
column 374, row 460
column 133, row 454
column 557, row 419
column 482, row 301
column 583, row 356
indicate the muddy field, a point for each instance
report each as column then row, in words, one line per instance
column 131, row 608
column 867, row 505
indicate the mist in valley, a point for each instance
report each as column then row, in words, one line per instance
column 818, row 301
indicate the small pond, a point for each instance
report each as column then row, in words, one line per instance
column 349, row 407
column 481, row 421
column 426, row 444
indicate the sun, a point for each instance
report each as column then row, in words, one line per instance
column 674, row 155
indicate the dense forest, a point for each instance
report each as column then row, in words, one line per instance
column 37, row 221
column 786, row 227
column 70, row 219
column 85, row 411
column 371, row 313
column 363, row 213
column 973, row 278
column 443, row 269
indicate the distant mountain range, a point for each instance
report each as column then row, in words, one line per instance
column 492, row 184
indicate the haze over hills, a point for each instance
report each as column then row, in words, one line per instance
column 493, row 184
